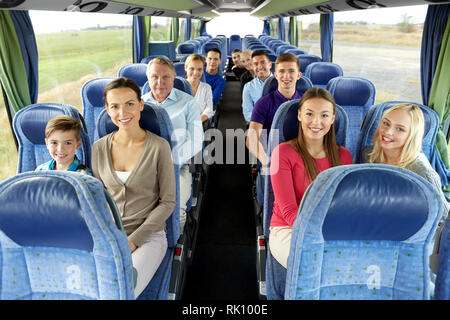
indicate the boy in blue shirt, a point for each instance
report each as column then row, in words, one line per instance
column 63, row 138
column 212, row 75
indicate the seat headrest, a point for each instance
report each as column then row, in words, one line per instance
column 322, row 72
column 135, row 72
column 373, row 204
column 44, row 211
column 148, row 121
column 93, row 91
column 302, row 85
column 34, row 121
column 352, row 91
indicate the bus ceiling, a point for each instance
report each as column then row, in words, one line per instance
column 208, row 9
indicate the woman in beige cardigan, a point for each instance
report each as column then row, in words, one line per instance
column 136, row 168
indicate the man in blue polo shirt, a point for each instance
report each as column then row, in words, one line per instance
column 212, row 75
column 287, row 72
column 253, row 89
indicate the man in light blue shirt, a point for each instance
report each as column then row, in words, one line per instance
column 184, row 112
column 253, row 89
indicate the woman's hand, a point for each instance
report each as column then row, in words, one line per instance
column 132, row 245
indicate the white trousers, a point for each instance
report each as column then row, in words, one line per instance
column 280, row 243
column 147, row 258
column 185, row 193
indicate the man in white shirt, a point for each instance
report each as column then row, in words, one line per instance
column 184, row 112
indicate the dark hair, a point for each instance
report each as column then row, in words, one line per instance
column 236, row 50
column 329, row 141
column 215, row 50
column 260, row 53
column 122, row 83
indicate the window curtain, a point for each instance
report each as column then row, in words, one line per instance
column 281, row 29
column 439, row 101
column 266, row 28
column 13, row 71
column 293, row 30
column 188, row 28
column 326, row 36
column 141, row 35
column 203, row 28
column 27, row 40
column 174, row 28
column 433, row 31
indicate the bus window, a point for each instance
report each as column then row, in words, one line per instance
column 226, row 25
column 274, row 23
column 8, row 151
column 181, row 31
column 160, row 30
column 195, row 28
column 286, row 30
column 308, row 33
column 382, row 45
column 77, row 47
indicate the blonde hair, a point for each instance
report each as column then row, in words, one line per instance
column 248, row 51
column 161, row 61
column 413, row 145
column 194, row 57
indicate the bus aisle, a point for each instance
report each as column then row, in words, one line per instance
column 224, row 262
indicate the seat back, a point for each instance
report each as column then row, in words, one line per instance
column 373, row 118
column 186, row 48
column 155, row 119
column 59, row 240
column 147, row 59
column 283, row 48
column 166, row 48
column 295, row 51
column 271, row 84
column 307, row 59
column 235, row 43
column 373, row 244
column 178, row 83
column 29, row 127
column 356, row 95
column 135, row 72
column 321, row 72
column 93, row 103
column 442, row 291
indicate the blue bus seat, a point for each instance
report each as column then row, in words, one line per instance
column 346, row 247
column 179, row 69
column 29, row 127
column 295, row 51
column 156, row 120
column 285, row 122
column 442, row 289
column 59, row 241
column 373, row 118
column 135, row 72
column 147, row 59
column 166, row 48
column 306, row 59
column 235, row 43
column 356, row 95
column 93, row 103
column 186, row 48
column 271, row 84
column 283, row 49
column 321, row 72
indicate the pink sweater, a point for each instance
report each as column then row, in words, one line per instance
column 290, row 181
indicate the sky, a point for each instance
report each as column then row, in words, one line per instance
column 228, row 24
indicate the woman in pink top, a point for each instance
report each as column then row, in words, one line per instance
column 297, row 162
